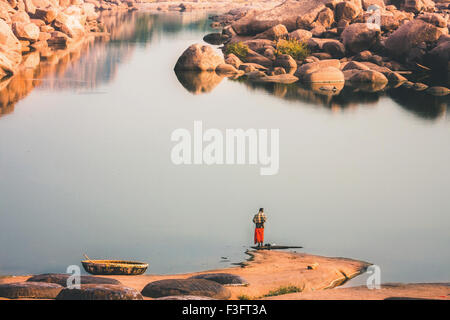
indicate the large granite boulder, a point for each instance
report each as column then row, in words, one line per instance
column 439, row 57
column 46, row 14
column 69, row 24
column 35, row 290
column 199, row 58
column 287, row 62
column 347, row 10
column 300, row 35
column 61, row 279
column 10, row 50
column 358, row 37
column 292, row 14
column 273, row 33
column 100, row 292
column 193, row 287
column 324, row 75
column 307, row 68
column 417, row 6
column 255, row 57
column 222, row 278
column 410, row 35
column 7, row 37
column 26, row 31
column 368, row 76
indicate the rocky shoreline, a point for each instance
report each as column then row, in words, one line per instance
column 342, row 43
column 299, row 276
column 296, row 272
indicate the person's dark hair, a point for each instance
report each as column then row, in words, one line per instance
column 261, row 209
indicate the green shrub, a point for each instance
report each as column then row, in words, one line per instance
column 283, row 290
column 239, row 49
column 244, row 297
column 296, row 49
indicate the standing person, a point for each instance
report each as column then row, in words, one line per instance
column 259, row 220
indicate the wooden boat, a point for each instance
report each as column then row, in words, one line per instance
column 114, row 267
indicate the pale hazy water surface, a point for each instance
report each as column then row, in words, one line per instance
column 85, row 168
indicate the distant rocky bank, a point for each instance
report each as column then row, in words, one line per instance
column 367, row 44
column 44, row 25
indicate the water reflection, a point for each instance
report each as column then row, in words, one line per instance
column 332, row 96
column 87, row 64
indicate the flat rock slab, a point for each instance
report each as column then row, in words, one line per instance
column 61, row 279
column 100, row 292
column 36, row 290
column 192, row 287
column 222, row 278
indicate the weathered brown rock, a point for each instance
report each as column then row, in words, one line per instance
column 69, row 24
column 35, row 290
column 10, row 50
column 410, row 35
column 215, row 38
column 233, row 60
column 48, row 14
column 368, row 76
column 26, row 31
column 325, row 75
column 227, row 69
column 292, row 14
column 176, row 287
column 360, row 36
column 61, row 279
column 347, row 10
column 335, row 48
column 254, row 57
column 417, row 6
column 436, row 19
column 439, row 57
column 258, row 44
column 307, row 68
column 368, row 3
column 325, row 18
column 354, row 65
column 99, row 292
column 300, row 35
column 286, row 62
column 199, row 58
column 222, row 278
column 273, row 33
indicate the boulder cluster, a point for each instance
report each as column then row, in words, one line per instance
column 28, row 26
column 370, row 44
column 54, row 286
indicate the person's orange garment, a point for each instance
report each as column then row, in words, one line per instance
column 259, row 235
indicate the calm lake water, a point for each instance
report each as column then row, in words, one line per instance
column 85, row 165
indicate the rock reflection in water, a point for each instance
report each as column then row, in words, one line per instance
column 420, row 103
column 334, row 96
column 85, row 65
column 199, row 82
